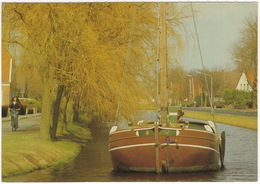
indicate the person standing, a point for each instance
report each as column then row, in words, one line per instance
column 15, row 107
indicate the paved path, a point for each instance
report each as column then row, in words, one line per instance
column 26, row 122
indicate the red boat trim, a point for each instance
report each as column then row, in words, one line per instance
column 195, row 146
column 176, row 136
column 187, row 129
column 144, row 128
column 205, row 131
column 165, row 128
column 153, row 144
column 124, row 138
column 200, row 138
column 130, row 146
column 119, row 131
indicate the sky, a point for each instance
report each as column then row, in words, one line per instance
column 218, row 25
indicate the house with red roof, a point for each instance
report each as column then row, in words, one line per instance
column 246, row 81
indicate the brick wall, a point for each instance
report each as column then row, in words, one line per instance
column 5, row 94
column 6, row 76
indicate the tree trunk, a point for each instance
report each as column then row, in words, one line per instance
column 255, row 94
column 205, row 101
column 56, row 110
column 48, row 100
column 50, row 108
column 62, row 124
column 69, row 112
column 76, row 110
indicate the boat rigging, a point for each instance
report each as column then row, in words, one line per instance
column 168, row 144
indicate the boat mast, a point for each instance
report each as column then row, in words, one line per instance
column 163, row 65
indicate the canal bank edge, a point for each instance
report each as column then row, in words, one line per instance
column 235, row 120
column 24, row 151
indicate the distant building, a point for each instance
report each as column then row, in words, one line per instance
column 197, row 88
column 246, row 81
column 6, row 75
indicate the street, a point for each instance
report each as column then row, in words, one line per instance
column 26, row 122
column 224, row 111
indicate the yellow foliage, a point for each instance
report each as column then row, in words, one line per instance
column 99, row 51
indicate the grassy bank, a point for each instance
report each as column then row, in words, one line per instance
column 24, row 151
column 241, row 121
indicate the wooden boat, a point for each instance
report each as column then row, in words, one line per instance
column 167, row 144
column 182, row 146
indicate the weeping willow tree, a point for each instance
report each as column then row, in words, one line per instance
column 98, row 56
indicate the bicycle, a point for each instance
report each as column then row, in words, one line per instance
column 14, row 119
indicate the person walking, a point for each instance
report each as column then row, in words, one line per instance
column 15, row 107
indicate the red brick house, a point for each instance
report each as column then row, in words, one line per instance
column 7, row 61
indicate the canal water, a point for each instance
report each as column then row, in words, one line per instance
column 93, row 163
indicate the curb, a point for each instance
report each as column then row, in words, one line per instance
column 21, row 117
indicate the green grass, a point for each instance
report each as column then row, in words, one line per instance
column 241, row 121
column 25, row 151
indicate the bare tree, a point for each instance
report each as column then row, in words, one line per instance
column 244, row 52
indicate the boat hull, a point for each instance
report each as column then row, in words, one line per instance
column 178, row 150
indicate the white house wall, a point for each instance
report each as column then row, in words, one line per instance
column 243, row 83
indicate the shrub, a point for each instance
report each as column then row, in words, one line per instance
column 237, row 97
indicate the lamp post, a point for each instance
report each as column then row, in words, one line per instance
column 192, row 86
column 211, row 96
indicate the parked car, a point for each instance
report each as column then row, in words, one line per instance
column 29, row 106
column 4, row 110
column 219, row 104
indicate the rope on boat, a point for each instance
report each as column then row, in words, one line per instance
column 202, row 62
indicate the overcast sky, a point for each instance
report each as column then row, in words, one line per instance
column 219, row 25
